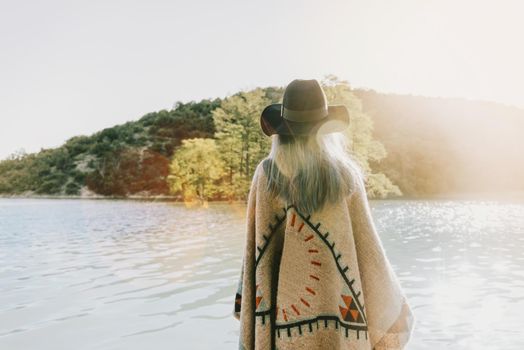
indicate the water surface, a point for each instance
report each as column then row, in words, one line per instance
column 103, row 274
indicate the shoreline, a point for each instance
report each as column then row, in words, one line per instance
column 162, row 198
column 177, row 199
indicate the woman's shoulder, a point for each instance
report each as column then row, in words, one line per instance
column 265, row 166
column 265, row 163
column 359, row 181
column 260, row 171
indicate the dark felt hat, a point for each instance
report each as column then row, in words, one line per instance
column 304, row 110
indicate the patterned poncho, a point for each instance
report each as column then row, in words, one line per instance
column 317, row 280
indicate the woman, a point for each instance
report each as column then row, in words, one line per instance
column 314, row 273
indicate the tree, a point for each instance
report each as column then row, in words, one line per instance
column 360, row 134
column 196, row 169
column 240, row 140
column 17, row 154
column 128, row 171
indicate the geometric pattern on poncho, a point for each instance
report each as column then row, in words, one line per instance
column 351, row 315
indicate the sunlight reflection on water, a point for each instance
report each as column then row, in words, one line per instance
column 125, row 275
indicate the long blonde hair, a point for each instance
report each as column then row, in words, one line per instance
column 309, row 170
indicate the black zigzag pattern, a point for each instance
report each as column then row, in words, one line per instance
column 267, row 237
column 331, row 246
column 327, row 320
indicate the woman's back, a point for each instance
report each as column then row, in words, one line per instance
column 312, row 275
column 314, row 272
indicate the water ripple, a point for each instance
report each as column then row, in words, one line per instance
column 142, row 273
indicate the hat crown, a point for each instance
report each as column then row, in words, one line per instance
column 304, row 110
column 304, row 94
column 304, row 100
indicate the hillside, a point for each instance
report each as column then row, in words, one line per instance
column 128, row 158
column 447, row 145
column 413, row 146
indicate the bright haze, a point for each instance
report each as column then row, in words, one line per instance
column 74, row 67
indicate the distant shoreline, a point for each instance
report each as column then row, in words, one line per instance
column 177, row 199
column 161, row 198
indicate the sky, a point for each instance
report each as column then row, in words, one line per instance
column 72, row 68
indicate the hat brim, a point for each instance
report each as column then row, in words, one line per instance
column 272, row 122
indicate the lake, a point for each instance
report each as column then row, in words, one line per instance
column 109, row 274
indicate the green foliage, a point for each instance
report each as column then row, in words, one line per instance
column 241, row 142
column 72, row 188
column 187, row 120
column 45, row 172
column 195, row 169
column 380, row 186
column 15, row 174
column 364, row 147
column 77, row 145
